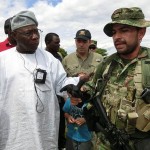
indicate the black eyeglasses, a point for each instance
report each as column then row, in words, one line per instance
column 92, row 47
column 30, row 32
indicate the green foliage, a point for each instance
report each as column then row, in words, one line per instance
column 101, row 51
column 63, row 52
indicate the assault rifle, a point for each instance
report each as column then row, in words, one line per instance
column 96, row 116
column 119, row 140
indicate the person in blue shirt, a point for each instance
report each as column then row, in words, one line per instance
column 78, row 135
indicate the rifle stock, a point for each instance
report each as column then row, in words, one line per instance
column 119, row 140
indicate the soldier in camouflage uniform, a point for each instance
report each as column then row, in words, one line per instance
column 82, row 61
column 122, row 94
column 93, row 46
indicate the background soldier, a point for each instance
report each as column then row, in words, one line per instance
column 79, row 63
column 93, row 46
column 82, row 61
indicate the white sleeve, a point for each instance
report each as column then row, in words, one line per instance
column 62, row 79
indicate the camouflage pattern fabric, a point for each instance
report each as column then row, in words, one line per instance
column 122, row 102
column 130, row 16
column 94, row 42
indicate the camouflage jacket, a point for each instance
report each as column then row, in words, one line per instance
column 121, row 96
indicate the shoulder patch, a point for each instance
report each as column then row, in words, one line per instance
column 98, row 60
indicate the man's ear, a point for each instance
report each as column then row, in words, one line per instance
column 13, row 34
column 90, row 41
column 47, row 42
column 142, row 32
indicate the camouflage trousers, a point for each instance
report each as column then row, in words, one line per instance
column 97, row 139
column 101, row 143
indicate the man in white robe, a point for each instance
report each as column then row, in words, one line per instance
column 29, row 110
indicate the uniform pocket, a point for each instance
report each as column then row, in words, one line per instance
column 72, row 70
column 143, row 121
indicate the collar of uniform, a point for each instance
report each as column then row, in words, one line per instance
column 77, row 54
column 122, row 61
column 143, row 52
column 116, row 57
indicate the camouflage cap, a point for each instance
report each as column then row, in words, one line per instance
column 93, row 42
column 93, row 45
column 130, row 16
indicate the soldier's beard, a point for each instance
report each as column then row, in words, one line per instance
column 128, row 50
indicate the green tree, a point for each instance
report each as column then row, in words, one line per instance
column 63, row 52
column 101, row 51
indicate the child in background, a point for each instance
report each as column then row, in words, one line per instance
column 78, row 135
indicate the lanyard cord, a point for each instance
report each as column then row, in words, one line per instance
column 38, row 98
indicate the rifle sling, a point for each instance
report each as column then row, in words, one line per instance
column 107, row 77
